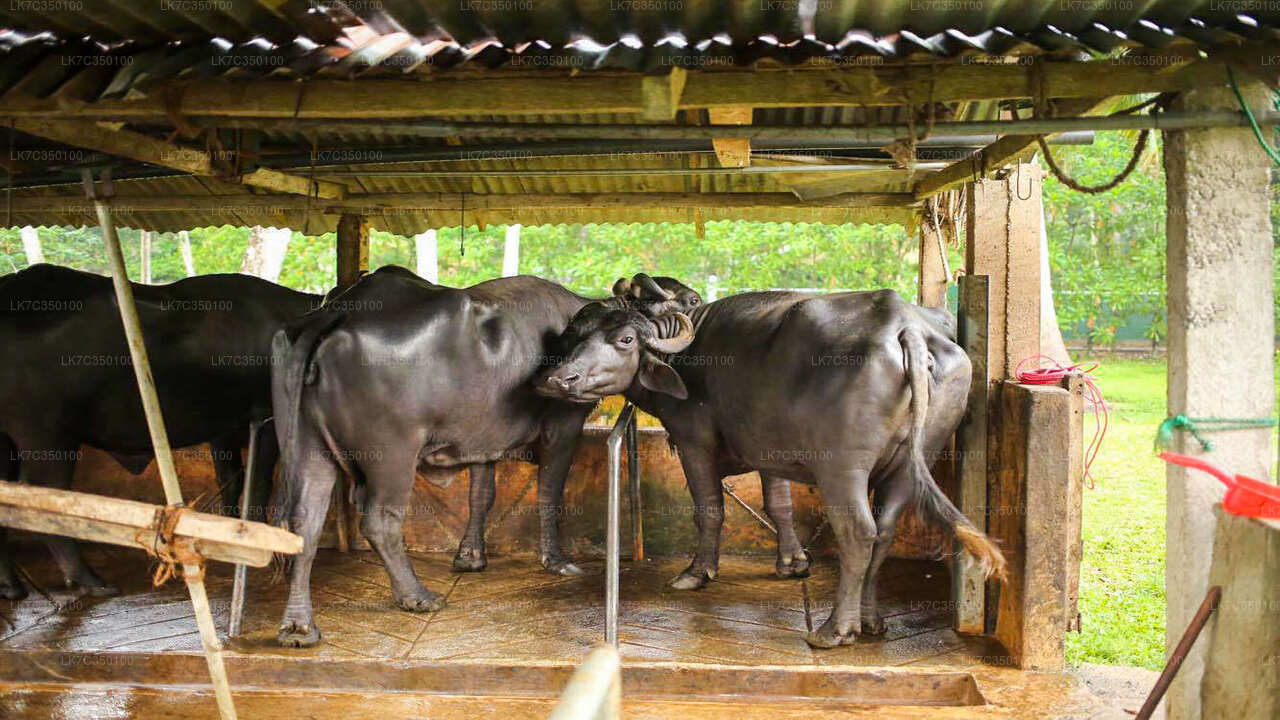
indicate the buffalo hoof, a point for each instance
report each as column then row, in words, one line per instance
column 13, row 591
column 796, row 566
column 424, row 601
column 826, row 637
column 693, row 580
column 470, row 560
column 873, row 626
column 561, row 566
column 294, row 635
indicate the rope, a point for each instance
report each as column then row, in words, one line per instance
column 1253, row 122
column 171, row 551
column 1197, row 426
column 1054, row 375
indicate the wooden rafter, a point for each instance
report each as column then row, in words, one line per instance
column 143, row 148
column 435, row 96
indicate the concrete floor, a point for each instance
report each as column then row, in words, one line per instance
column 507, row 642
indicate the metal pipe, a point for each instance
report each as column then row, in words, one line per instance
column 637, row 502
column 612, row 523
column 193, row 575
column 1207, row 606
column 613, row 172
column 880, row 134
column 241, row 575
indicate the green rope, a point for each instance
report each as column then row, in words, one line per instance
column 1198, row 425
column 1253, row 122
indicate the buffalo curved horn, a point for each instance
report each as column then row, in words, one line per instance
column 678, row 342
column 648, row 284
column 622, row 287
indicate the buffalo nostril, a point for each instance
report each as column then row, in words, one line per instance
column 567, row 381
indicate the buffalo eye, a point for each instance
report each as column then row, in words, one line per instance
column 626, row 340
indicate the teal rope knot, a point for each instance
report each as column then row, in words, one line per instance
column 1198, row 425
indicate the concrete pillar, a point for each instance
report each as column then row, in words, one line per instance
column 1221, row 330
column 31, row 245
column 144, row 256
column 425, row 250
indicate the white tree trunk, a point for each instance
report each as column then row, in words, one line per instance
column 31, row 245
column 144, row 255
column 264, row 256
column 425, row 250
column 184, row 247
column 511, row 252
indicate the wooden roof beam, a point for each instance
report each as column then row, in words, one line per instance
column 436, row 96
column 731, row 152
column 144, row 148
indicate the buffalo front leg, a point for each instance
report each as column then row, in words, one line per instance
column 471, row 555
column 793, row 561
column 315, row 475
column 556, row 446
column 891, row 500
column 708, row 517
column 844, row 499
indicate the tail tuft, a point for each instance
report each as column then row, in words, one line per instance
column 984, row 550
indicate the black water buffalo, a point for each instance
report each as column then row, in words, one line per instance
column 395, row 375
column 848, row 392
column 68, row 380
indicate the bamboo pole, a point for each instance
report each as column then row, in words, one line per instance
column 193, row 575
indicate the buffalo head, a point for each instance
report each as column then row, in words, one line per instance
column 605, row 349
column 656, row 296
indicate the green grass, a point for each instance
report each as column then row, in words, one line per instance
column 1122, row 597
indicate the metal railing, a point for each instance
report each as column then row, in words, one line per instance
column 595, row 690
column 624, row 428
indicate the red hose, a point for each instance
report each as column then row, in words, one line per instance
column 1054, row 374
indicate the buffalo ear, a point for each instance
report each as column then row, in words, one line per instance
column 660, row 377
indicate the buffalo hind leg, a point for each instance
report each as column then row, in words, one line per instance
column 793, row 561
column 228, row 470
column 388, row 486
column 708, row 517
column 844, row 499
column 11, row 588
column 891, row 499
column 315, row 475
column 53, row 468
column 471, row 555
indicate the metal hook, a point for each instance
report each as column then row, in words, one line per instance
column 1017, row 184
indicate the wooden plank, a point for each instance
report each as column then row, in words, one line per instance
column 435, row 96
column 1072, row 523
column 660, row 94
column 968, row 589
column 375, row 203
column 52, row 523
column 1006, row 150
column 117, row 511
column 143, row 148
column 731, row 152
column 1030, row 498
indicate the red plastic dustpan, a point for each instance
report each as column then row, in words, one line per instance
column 1245, row 495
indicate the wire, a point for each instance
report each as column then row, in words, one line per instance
column 1253, row 122
column 1054, row 374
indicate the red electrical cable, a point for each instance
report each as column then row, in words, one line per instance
column 1054, row 375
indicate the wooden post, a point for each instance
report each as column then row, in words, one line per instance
column 144, row 256
column 192, row 574
column 511, row 251
column 1003, row 242
column 968, row 587
column 933, row 278
column 1030, row 499
column 353, row 259
column 31, row 245
column 425, row 249
column 184, row 246
column 1221, row 333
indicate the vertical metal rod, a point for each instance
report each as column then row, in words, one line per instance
column 241, row 575
column 612, row 523
column 633, row 481
column 163, row 453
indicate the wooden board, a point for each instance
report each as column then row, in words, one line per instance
column 968, row 582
